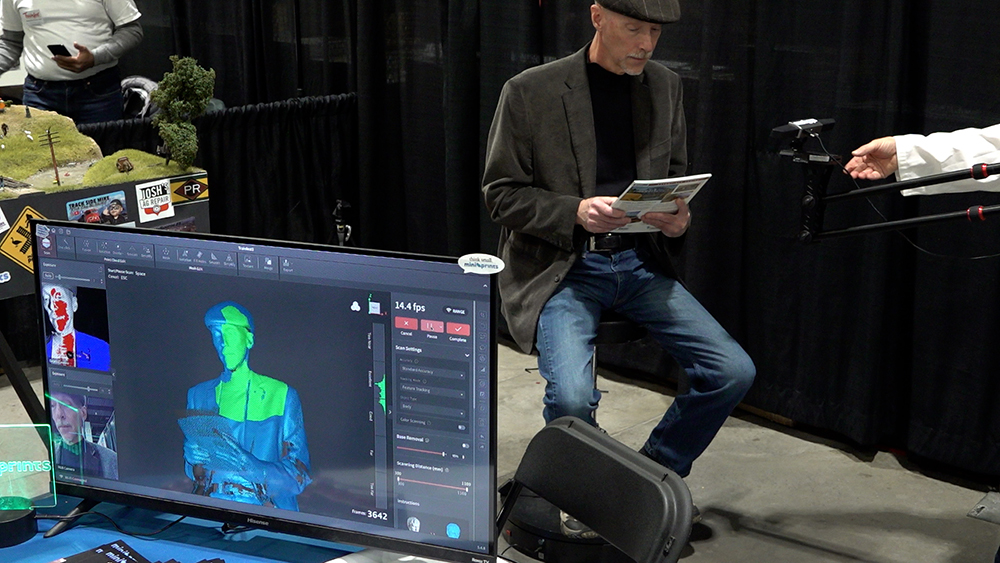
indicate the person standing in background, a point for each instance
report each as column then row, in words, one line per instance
column 86, row 86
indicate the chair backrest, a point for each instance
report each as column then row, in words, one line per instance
column 634, row 503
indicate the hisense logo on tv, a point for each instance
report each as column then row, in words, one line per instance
column 257, row 522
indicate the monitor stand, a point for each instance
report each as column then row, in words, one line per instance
column 379, row 556
column 70, row 519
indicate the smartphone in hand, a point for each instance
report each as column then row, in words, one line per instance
column 58, row 49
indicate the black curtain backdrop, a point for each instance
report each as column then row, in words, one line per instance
column 869, row 337
column 276, row 170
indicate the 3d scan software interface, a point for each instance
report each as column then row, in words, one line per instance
column 338, row 386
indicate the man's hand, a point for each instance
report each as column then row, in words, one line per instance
column 597, row 216
column 670, row 224
column 195, row 454
column 874, row 161
column 235, row 458
column 227, row 456
column 83, row 60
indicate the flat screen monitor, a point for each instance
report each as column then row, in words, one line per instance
column 324, row 391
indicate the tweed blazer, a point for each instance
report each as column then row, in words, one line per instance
column 541, row 160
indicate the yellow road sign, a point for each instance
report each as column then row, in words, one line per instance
column 16, row 245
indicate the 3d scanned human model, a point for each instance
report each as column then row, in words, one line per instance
column 67, row 346
column 244, row 436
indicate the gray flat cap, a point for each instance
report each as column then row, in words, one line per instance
column 654, row 11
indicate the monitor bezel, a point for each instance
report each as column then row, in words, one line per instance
column 268, row 522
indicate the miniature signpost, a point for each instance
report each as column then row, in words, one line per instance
column 50, row 140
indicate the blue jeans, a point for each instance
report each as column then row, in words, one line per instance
column 88, row 100
column 720, row 372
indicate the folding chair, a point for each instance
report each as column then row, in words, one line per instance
column 636, row 504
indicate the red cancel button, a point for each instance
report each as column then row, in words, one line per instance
column 406, row 323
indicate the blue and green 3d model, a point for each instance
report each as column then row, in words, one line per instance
column 244, row 433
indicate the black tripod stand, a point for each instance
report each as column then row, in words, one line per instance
column 815, row 199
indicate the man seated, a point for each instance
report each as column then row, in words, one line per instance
column 567, row 138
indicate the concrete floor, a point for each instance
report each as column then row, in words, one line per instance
column 768, row 493
column 772, row 494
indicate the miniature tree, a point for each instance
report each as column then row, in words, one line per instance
column 182, row 95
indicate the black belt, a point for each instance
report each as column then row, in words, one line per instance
column 610, row 242
column 80, row 81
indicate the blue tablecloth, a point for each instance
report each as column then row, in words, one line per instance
column 190, row 541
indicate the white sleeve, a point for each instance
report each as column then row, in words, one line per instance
column 121, row 12
column 920, row 156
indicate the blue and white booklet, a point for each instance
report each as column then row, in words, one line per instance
column 644, row 196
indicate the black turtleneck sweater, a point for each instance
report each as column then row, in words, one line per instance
column 611, row 99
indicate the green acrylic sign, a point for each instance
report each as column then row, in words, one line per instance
column 27, row 474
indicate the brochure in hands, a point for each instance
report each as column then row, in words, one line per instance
column 644, row 196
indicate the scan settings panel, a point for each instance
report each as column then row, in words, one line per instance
column 440, row 412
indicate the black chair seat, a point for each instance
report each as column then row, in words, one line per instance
column 615, row 328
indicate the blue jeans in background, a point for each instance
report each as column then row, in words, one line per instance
column 89, row 100
column 720, row 372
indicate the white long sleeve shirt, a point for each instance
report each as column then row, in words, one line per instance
column 920, row 155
